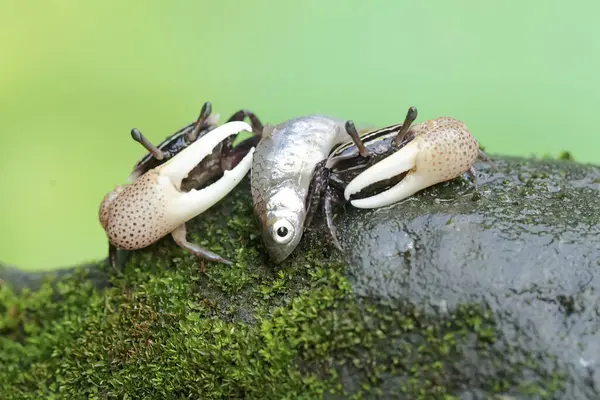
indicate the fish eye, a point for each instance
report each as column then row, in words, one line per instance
column 283, row 231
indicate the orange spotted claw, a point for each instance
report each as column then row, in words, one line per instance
column 441, row 150
column 153, row 205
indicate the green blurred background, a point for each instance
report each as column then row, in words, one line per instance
column 76, row 76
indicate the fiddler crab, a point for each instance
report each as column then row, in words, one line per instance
column 297, row 168
column 163, row 191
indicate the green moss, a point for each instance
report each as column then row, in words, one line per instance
column 252, row 330
column 565, row 155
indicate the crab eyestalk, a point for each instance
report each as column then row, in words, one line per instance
column 152, row 206
column 442, row 149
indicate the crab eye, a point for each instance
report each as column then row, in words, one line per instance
column 283, row 231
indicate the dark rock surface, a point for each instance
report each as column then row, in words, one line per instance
column 526, row 245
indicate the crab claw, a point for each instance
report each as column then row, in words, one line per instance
column 153, row 205
column 442, row 149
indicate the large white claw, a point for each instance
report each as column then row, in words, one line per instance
column 184, row 206
column 153, row 205
column 443, row 149
column 387, row 168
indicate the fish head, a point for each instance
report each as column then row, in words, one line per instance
column 282, row 223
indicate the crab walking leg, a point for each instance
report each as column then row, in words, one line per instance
column 112, row 257
column 331, row 196
column 257, row 126
column 442, row 150
column 180, row 237
column 484, row 157
column 153, row 206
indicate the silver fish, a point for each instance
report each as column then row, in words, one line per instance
column 282, row 169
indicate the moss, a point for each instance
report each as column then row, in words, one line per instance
column 167, row 330
column 565, row 155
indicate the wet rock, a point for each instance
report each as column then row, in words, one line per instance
column 525, row 245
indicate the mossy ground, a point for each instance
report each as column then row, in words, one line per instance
column 252, row 330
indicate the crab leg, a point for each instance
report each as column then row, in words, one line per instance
column 442, row 149
column 154, row 205
column 332, row 196
column 257, row 126
column 180, row 237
